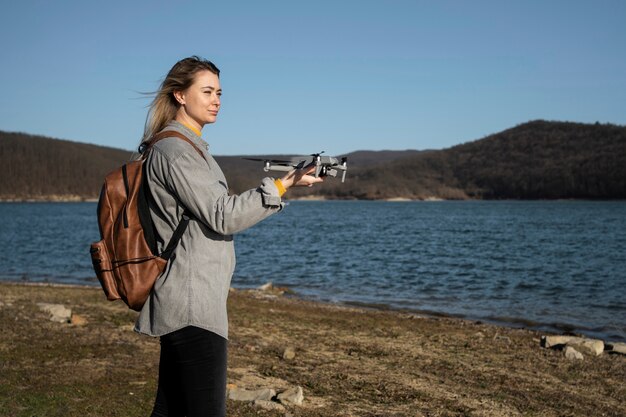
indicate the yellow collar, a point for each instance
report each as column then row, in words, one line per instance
column 193, row 129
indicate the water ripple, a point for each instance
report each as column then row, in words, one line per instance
column 557, row 265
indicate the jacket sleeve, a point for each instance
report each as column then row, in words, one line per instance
column 201, row 190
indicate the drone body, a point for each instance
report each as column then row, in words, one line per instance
column 324, row 165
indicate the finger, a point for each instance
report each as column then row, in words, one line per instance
column 313, row 180
column 308, row 170
column 309, row 167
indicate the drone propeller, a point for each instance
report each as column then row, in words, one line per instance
column 278, row 161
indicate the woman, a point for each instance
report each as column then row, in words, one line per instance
column 187, row 306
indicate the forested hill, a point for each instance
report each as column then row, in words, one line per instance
column 36, row 167
column 535, row 160
column 544, row 160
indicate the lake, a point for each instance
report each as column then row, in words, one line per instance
column 547, row 265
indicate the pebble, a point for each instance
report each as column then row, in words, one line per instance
column 289, row 353
column 268, row 286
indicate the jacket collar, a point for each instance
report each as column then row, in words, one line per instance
column 190, row 134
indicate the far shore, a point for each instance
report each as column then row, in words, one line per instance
column 50, row 199
column 77, row 199
column 80, row 199
column 349, row 361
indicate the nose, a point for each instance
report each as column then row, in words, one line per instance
column 216, row 100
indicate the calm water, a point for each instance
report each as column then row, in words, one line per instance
column 547, row 265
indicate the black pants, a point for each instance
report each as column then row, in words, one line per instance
column 192, row 374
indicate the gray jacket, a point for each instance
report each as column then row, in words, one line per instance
column 194, row 286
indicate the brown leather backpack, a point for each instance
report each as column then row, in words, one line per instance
column 126, row 260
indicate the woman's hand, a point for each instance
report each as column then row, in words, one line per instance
column 302, row 177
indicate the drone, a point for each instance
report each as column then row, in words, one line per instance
column 324, row 165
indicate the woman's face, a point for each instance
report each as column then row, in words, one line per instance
column 201, row 101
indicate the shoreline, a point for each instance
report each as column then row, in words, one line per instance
column 348, row 361
column 78, row 199
column 81, row 199
column 521, row 323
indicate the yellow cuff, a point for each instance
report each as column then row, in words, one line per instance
column 280, row 186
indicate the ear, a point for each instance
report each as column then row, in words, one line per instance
column 180, row 97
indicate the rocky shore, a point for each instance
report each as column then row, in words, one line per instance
column 51, row 198
column 66, row 351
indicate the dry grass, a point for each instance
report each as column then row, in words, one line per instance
column 350, row 362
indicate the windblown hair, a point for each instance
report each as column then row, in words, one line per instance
column 164, row 106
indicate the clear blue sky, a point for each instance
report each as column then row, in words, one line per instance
column 300, row 77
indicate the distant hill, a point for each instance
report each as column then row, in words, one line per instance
column 535, row 160
column 542, row 159
column 37, row 167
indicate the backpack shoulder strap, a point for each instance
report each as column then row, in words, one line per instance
column 184, row 222
column 167, row 134
column 178, row 233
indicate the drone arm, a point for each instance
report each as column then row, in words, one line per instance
column 282, row 168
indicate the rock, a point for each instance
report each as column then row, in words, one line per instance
column 617, row 348
column 292, row 396
column 268, row 286
column 552, row 341
column 268, row 405
column 289, row 353
column 238, row 394
column 590, row 346
column 58, row 312
column 77, row 320
column 571, row 353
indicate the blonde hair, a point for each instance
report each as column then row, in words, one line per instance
column 164, row 107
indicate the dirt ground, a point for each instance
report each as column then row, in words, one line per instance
column 349, row 361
